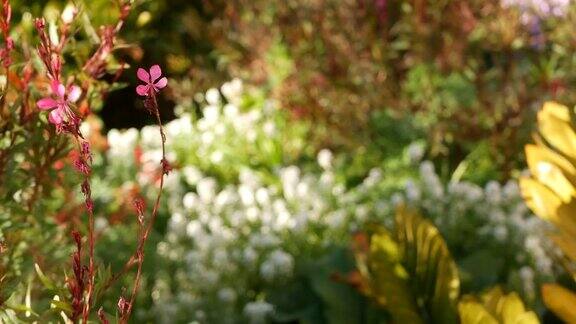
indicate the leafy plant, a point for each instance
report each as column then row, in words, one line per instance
column 37, row 155
column 550, row 191
column 463, row 71
column 409, row 271
column 491, row 233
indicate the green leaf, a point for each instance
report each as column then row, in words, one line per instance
column 433, row 273
column 62, row 306
column 389, row 280
column 45, row 280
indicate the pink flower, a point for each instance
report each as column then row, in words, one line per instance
column 60, row 103
column 154, row 80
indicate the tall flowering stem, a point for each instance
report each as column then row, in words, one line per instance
column 83, row 165
column 76, row 284
column 64, row 115
column 154, row 83
column 48, row 53
column 96, row 65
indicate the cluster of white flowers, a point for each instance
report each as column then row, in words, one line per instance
column 240, row 215
column 495, row 217
column 249, row 236
column 236, row 129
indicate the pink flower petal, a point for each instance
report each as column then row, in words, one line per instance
column 55, row 117
column 61, row 91
column 58, row 88
column 74, row 93
column 54, row 86
column 142, row 90
column 143, row 75
column 160, row 83
column 155, row 72
column 46, row 103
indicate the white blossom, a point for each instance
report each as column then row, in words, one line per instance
column 257, row 312
column 232, row 90
column 213, row 96
column 415, row 152
column 325, row 158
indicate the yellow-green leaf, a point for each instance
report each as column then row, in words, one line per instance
column 561, row 301
column 541, row 200
column 555, row 126
column 552, row 170
column 566, row 243
column 387, row 279
column 550, row 193
column 43, row 278
column 495, row 307
column 565, row 218
column 513, row 311
column 433, row 273
column 474, row 313
column 546, row 204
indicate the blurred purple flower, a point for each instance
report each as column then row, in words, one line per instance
column 533, row 12
column 531, row 9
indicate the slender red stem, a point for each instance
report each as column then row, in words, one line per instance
column 139, row 254
column 85, row 160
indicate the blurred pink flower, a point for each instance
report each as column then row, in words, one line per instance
column 60, row 103
column 154, row 80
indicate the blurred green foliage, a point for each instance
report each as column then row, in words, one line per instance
column 470, row 72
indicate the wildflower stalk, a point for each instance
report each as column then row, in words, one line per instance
column 66, row 120
column 144, row 230
column 83, row 164
column 96, row 65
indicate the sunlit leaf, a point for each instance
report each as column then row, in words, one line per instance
column 387, row 281
column 546, row 204
column 495, row 307
column 472, row 312
column 513, row 311
column 541, row 200
column 552, row 170
column 554, row 125
column 409, row 272
column 566, row 243
column 561, row 301
column 550, row 193
column 433, row 272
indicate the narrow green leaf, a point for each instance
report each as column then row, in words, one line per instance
column 45, row 280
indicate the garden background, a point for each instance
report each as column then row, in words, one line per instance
column 325, row 161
